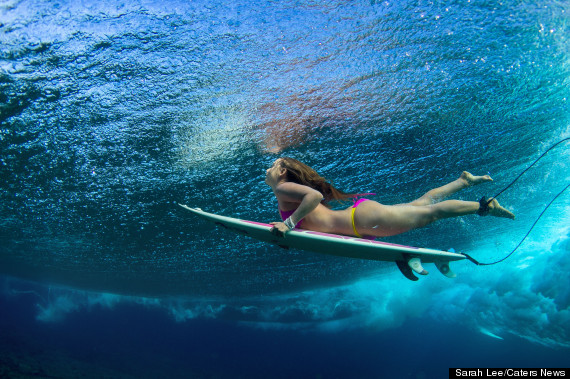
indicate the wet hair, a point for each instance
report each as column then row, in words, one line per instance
column 300, row 173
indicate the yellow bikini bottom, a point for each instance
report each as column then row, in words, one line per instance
column 352, row 218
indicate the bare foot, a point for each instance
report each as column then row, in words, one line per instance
column 496, row 210
column 472, row 180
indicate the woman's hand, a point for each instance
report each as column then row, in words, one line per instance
column 279, row 228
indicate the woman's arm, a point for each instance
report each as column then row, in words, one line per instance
column 307, row 198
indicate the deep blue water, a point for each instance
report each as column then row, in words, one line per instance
column 111, row 113
column 133, row 341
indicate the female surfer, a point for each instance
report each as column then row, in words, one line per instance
column 303, row 197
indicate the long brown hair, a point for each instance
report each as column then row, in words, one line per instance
column 298, row 172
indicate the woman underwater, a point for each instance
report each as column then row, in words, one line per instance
column 303, row 196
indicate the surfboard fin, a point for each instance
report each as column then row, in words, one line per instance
column 416, row 265
column 443, row 267
column 406, row 270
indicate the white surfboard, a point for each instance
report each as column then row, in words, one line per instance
column 408, row 258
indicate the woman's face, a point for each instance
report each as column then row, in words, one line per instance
column 274, row 173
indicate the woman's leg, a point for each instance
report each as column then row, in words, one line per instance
column 380, row 220
column 438, row 194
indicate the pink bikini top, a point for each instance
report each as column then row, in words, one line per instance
column 287, row 214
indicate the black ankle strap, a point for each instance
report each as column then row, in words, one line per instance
column 483, row 207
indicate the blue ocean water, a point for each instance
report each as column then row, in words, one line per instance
column 111, row 113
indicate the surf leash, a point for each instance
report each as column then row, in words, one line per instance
column 485, row 204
